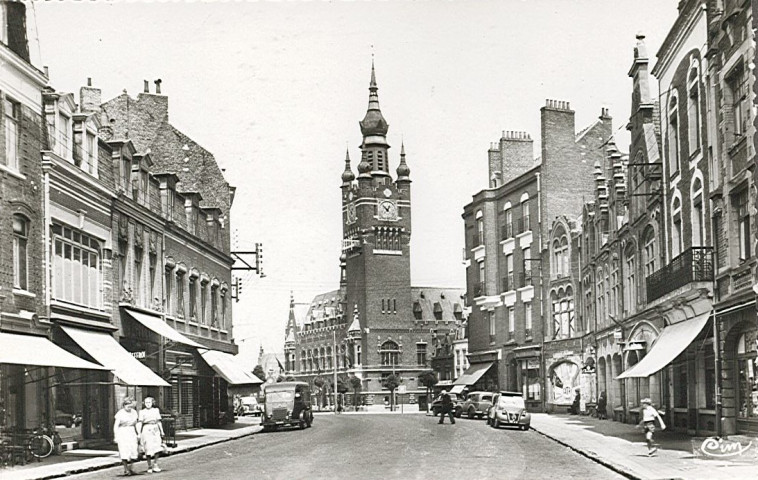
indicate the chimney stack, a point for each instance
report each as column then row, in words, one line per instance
column 89, row 97
column 147, row 86
column 158, row 86
column 14, row 15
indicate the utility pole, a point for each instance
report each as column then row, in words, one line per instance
column 334, row 366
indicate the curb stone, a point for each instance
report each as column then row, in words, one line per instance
column 594, row 457
column 116, row 463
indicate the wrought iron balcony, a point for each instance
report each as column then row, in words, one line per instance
column 693, row 265
column 480, row 289
column 522, row 225
column 506, row 231
column 509, row 283
column 525, row 279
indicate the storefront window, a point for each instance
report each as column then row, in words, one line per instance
column 680, row 385
column 710, row 382
column 747, row 399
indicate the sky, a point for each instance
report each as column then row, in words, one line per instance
column 276, row 89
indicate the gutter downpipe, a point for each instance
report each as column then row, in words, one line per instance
column 542, row 299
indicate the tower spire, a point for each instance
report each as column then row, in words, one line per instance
column 347, row 175
column 373, row 124
column 403, row 171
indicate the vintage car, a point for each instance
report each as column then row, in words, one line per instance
column 508, row 408
column 477, row 404
column 436, row 406
column 286, row 404
column 249, row 405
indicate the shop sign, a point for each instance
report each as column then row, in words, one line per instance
column 725, row 449
column 139, row 354
column 532, row 363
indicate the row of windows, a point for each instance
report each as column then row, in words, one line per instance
column 199, row 292
column 511, row 318
column 389, row 306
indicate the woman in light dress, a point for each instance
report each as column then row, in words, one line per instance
column 125, row 434
column 151, row 433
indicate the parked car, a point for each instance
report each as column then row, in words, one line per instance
column 477, row 404
column 249, row 406
column 70, row 420
column 508, row 408
column 436, row 406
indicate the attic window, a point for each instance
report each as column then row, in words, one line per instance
column 437, row 311
column 417, row 310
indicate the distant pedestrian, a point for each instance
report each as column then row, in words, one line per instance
column 575, row 405
column 602, row 405
column 151, row 433
column 649, row 414
column 447, row 407
column 125, row 434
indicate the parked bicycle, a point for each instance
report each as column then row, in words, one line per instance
column 20, row 446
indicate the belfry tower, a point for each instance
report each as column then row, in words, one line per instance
column 375, row 261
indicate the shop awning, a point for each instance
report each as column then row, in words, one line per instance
column 157, row 325
column 457, row 389
column 672, row 341
column 107, row 351
column 473, row 374
column 40, row 352
column 229, row 368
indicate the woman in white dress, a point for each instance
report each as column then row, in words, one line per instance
column 151, row 433
column 125, row 434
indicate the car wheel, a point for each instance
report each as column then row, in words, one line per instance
column 435, row 411
column 458, row 412
column 471, row 413
column 309, row 420
column 524, row 428
column 496, row 423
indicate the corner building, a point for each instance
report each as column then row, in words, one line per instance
column 516, row 276
column 381, row 324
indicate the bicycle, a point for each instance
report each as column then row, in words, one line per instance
column 41, row 443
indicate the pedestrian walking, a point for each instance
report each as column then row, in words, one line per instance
column 447, row 407
column 125, row 434
column 151, row 433
column 602, row 405
column 576, row 404
column 649, row 414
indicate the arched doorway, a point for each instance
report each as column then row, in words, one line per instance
column 741, row 378
column 563, row 381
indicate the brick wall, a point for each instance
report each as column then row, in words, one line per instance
column 22, row 196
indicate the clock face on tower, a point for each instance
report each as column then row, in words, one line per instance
column 387, row 210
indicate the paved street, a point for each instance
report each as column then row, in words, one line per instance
column 382, row 446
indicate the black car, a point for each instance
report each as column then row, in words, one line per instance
column 436, row 406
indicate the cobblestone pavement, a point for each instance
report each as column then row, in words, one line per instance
column 382, row 447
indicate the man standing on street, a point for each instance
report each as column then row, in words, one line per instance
column 447, row 408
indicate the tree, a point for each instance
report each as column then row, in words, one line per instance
column 429, row 380
column 356, row 385
column 342, row 386
column 258, row 372
column 391, row 383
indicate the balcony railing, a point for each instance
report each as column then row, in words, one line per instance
column 480, row 289
column 509, row 283
column 525, row 279
column 477, row 239
column 506, row 231
column 693, row 265
column 522, row 225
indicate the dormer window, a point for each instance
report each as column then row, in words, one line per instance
column 64, row 129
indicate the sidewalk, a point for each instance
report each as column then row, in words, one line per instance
column 79, row 461
column 622, row 448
